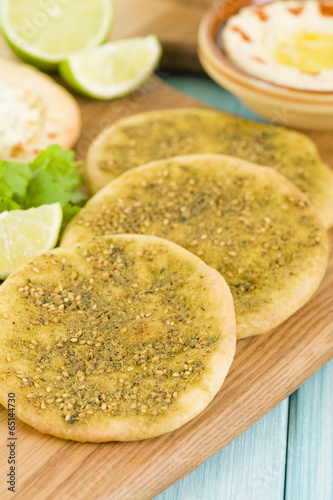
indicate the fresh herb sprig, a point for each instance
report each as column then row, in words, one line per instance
column 52, row 177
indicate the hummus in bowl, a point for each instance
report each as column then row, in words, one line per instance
column 304, row 101
column 285, row 42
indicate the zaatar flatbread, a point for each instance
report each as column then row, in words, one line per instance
column 248, row 222
column 34, row 113
column 139, row 139
column 119, row 338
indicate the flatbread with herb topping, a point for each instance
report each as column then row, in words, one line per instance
column 119, row 338
column 34, row 112
column 139, row 139
column 248, row 222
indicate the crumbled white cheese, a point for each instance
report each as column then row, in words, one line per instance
column 20, row 119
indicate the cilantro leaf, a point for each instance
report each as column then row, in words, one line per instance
column 7, row 204
column 44, row 189
column 52, row 177
column 54, row 169
column 69, row 211
column 14, row 180
column 60, row 167
column 79, row 198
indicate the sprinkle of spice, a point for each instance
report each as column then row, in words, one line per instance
column 254, row 245
column 296, row 10
column 242, row 33
column 173, row 132
column 135, row 363
column 261, row 13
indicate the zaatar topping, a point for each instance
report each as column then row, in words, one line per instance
column 250, row 224
column 146, row 137
column 85, row 348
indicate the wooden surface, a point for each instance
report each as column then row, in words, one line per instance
column 175, row 22
column 266, row 369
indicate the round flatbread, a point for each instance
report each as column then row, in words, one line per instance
column 248, row 222
column 141, row 138
column 34, row 113
column 119, row 338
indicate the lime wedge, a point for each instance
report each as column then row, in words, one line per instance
column 113, row 69
column 45, row 32
column 27, row 233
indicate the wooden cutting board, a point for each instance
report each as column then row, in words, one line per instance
column 266, row 369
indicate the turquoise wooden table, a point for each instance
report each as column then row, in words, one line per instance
column 288, row 454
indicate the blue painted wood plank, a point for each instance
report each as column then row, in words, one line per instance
column 251, row 468
column 310, row 439
column 204, row 89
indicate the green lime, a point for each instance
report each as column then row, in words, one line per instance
column 45, row 32
column 27, row 233
column 113, row 69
